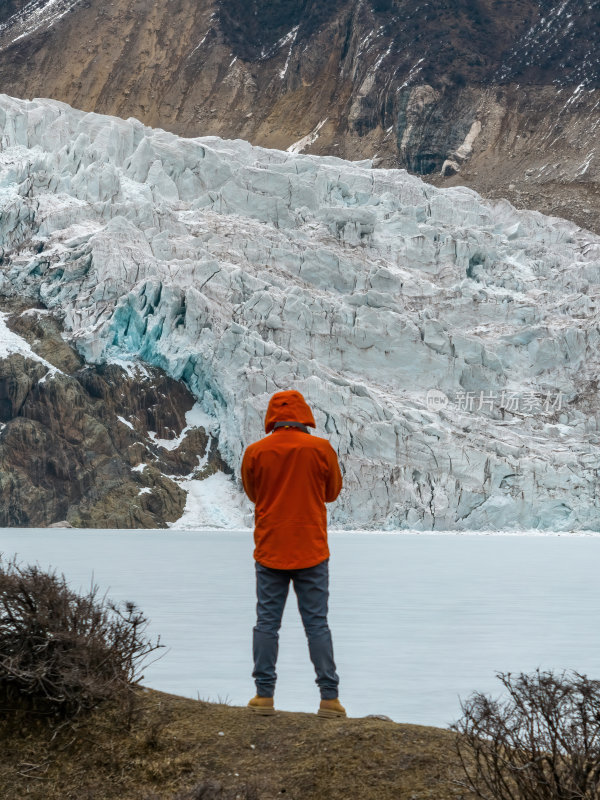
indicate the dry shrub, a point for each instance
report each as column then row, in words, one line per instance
column 63, row 653
column 540, row 743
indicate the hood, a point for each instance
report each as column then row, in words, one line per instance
column 288, row 405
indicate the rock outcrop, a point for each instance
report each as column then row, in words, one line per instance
column 95, row 447
column 448, row 345
column 499, row 96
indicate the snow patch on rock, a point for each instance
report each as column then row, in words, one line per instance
column 307, row 140
column 11, row 343
column 212, row 503
column 33, row 16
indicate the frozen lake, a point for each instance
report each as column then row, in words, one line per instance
column 417, row 619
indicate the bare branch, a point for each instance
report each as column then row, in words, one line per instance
column 542, row 742
column 62, row 653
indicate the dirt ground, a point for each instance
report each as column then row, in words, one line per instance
column 183, row 749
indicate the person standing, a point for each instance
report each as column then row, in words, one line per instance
column 289, row 475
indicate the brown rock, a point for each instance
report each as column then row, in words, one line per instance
column 15, row 384
column 66, row 457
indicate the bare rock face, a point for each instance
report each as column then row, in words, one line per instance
column 499, row 96
column 16, row 381
column 80, row 445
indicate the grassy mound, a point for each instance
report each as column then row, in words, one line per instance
column 182, row 749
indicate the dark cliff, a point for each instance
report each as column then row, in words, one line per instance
column 80, row 445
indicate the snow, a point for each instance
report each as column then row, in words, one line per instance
column 125, row 422
column 307, row 140
column 549, row 36
column 413, row 71
column 213, row 500
column 243, row 271
column 291, row 38
column 133, row 369
column 381, row 58
column 196, row 417
column 200, row 43
column 13, row 343
column 36, row 312
column 586, row 164
column 168, row 444
column 362, row 45
column 33, row 16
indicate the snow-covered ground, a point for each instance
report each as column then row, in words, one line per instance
column 214, row 501
column 450, row 347
column 417, row 619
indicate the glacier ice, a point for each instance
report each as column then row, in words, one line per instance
column 243, row 271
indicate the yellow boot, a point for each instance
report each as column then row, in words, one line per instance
column 331, row 708
column 262, row 705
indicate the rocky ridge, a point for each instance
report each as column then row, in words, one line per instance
column 448, row 345
column 500, row 96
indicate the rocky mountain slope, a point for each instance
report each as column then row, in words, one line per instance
column 499, row 95
column 449, row 346
column 90, row 446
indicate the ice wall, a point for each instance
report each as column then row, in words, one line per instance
column 245, row 271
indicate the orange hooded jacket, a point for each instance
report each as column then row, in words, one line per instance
column 290, row 475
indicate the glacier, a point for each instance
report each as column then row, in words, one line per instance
column 448, row 345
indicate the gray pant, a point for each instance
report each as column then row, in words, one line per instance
column 312, row 590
